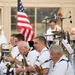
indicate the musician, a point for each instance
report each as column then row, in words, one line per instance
column 12, row 41
column 23, row 49
column 40, row 46
column 15, row 51
column 17, row 38
column 52, row 27
column 31, row 57
column 61, row 64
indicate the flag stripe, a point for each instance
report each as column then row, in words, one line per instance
column 23, row 23
column 20, row 21
column 28, row 35
column 23, row 16
column 23, row 19
column 30, row 38
column 24, row 31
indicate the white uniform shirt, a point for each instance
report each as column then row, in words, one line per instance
column 31, row 57
column 50, row 34
column 43, row 56
column 15, row 52
column 62, row 67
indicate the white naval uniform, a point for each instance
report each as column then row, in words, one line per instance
column 62, row 67
column 43, row 56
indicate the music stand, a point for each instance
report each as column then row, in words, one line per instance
column 31, row 43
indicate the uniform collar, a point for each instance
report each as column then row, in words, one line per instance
column 44, row 49
column 63, row 57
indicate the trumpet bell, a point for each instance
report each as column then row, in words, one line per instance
column 38, row 70
column 6, row 52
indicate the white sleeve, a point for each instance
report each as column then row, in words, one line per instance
column 45, row 56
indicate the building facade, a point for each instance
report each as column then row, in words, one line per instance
column 37, row 11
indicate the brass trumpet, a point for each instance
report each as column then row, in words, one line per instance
column 4, row 52
column 39, row 69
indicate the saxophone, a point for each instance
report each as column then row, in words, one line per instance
column 26, row 65
column 39, row 69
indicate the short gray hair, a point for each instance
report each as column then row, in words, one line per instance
column 56, row 48
column 23, row 44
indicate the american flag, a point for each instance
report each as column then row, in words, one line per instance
column 23, row 23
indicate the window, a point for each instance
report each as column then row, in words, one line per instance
column 13, row 19
column 41, row 22
column 29, row 11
